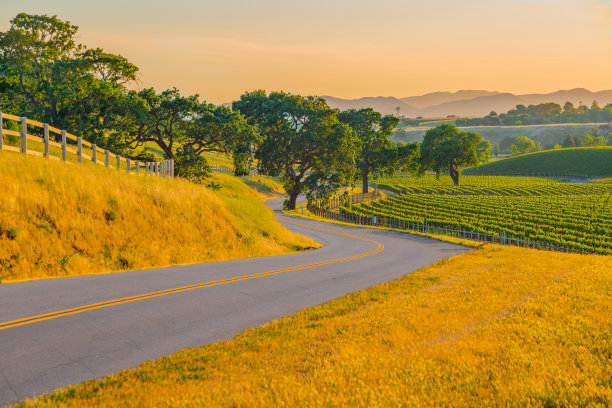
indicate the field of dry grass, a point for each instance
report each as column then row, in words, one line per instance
column 500, row 326
column 59, row 219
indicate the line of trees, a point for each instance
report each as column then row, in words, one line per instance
column 314, row 149
column 544, row 113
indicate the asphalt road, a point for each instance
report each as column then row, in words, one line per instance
column 64, row 331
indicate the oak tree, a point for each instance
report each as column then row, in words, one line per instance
column 446, row 149
column 377, row 153
column 303, row 142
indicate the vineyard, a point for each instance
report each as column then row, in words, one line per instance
column 563, row 215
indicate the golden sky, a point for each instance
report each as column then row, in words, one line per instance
column 347, row 48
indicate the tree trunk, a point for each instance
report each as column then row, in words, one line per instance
column 293, row 194
column 364, row 177
column 454, row 173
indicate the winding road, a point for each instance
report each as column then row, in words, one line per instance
column 64, row 331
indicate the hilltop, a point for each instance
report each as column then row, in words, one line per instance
column 57, row 219
column 467, row 102
column 580, row 161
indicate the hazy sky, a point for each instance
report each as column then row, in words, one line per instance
column 347, row 48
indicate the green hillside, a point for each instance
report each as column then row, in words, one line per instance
column 580, row 161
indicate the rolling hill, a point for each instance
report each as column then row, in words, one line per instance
column 580, row 162
column 439, row 98
column 467, row 102
column 57, row 219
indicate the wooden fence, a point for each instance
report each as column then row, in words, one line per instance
column 75, row 145
column 219, row 168
column 384, row 222
column 346, row 200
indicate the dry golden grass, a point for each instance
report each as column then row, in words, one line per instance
column 500, row 326
column 59, row 219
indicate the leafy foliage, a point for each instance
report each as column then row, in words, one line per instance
column 48, row 76
column 445, row 149
column 522, row 145
column 377, row 154
column 303, row 142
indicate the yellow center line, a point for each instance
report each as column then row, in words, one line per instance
column 67, row 312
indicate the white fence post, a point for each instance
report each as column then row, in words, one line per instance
column 127, row 159
column 63, row 132
column 107, row 157
column 80, row 149
column 46, row 138
column 137, row 166
column 24, row 135
column 118, row 162
column 93, row 153
column 1, row 132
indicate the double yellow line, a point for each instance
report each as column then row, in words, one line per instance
column 67, row 312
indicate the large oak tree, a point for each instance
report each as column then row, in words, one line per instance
column 303, row 142
column 377, row 153
column 46, row 75
column 184, row 128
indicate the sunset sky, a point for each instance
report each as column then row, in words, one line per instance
column 347, row 48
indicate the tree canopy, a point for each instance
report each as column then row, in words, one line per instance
column 184, row 128
column 303, row 142
column 522, row 145
column 377, row 154
column 446, row 149
column 46, row 75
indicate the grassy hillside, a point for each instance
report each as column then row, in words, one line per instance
column 584, row 161
column 59, row 219
column 500, row 326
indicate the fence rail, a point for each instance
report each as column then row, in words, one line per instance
column 336, row 202
column 75, row 145
column 384, row 222
column 219, row 168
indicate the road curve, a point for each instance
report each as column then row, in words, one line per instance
column 64, row 331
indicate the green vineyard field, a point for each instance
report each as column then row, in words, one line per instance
column 568, row 215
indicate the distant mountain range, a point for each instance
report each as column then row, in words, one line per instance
column 467, row 103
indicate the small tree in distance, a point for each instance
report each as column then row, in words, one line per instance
column 446, row 149
column 522, row 145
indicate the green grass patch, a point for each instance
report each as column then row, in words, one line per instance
column 579, row 162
